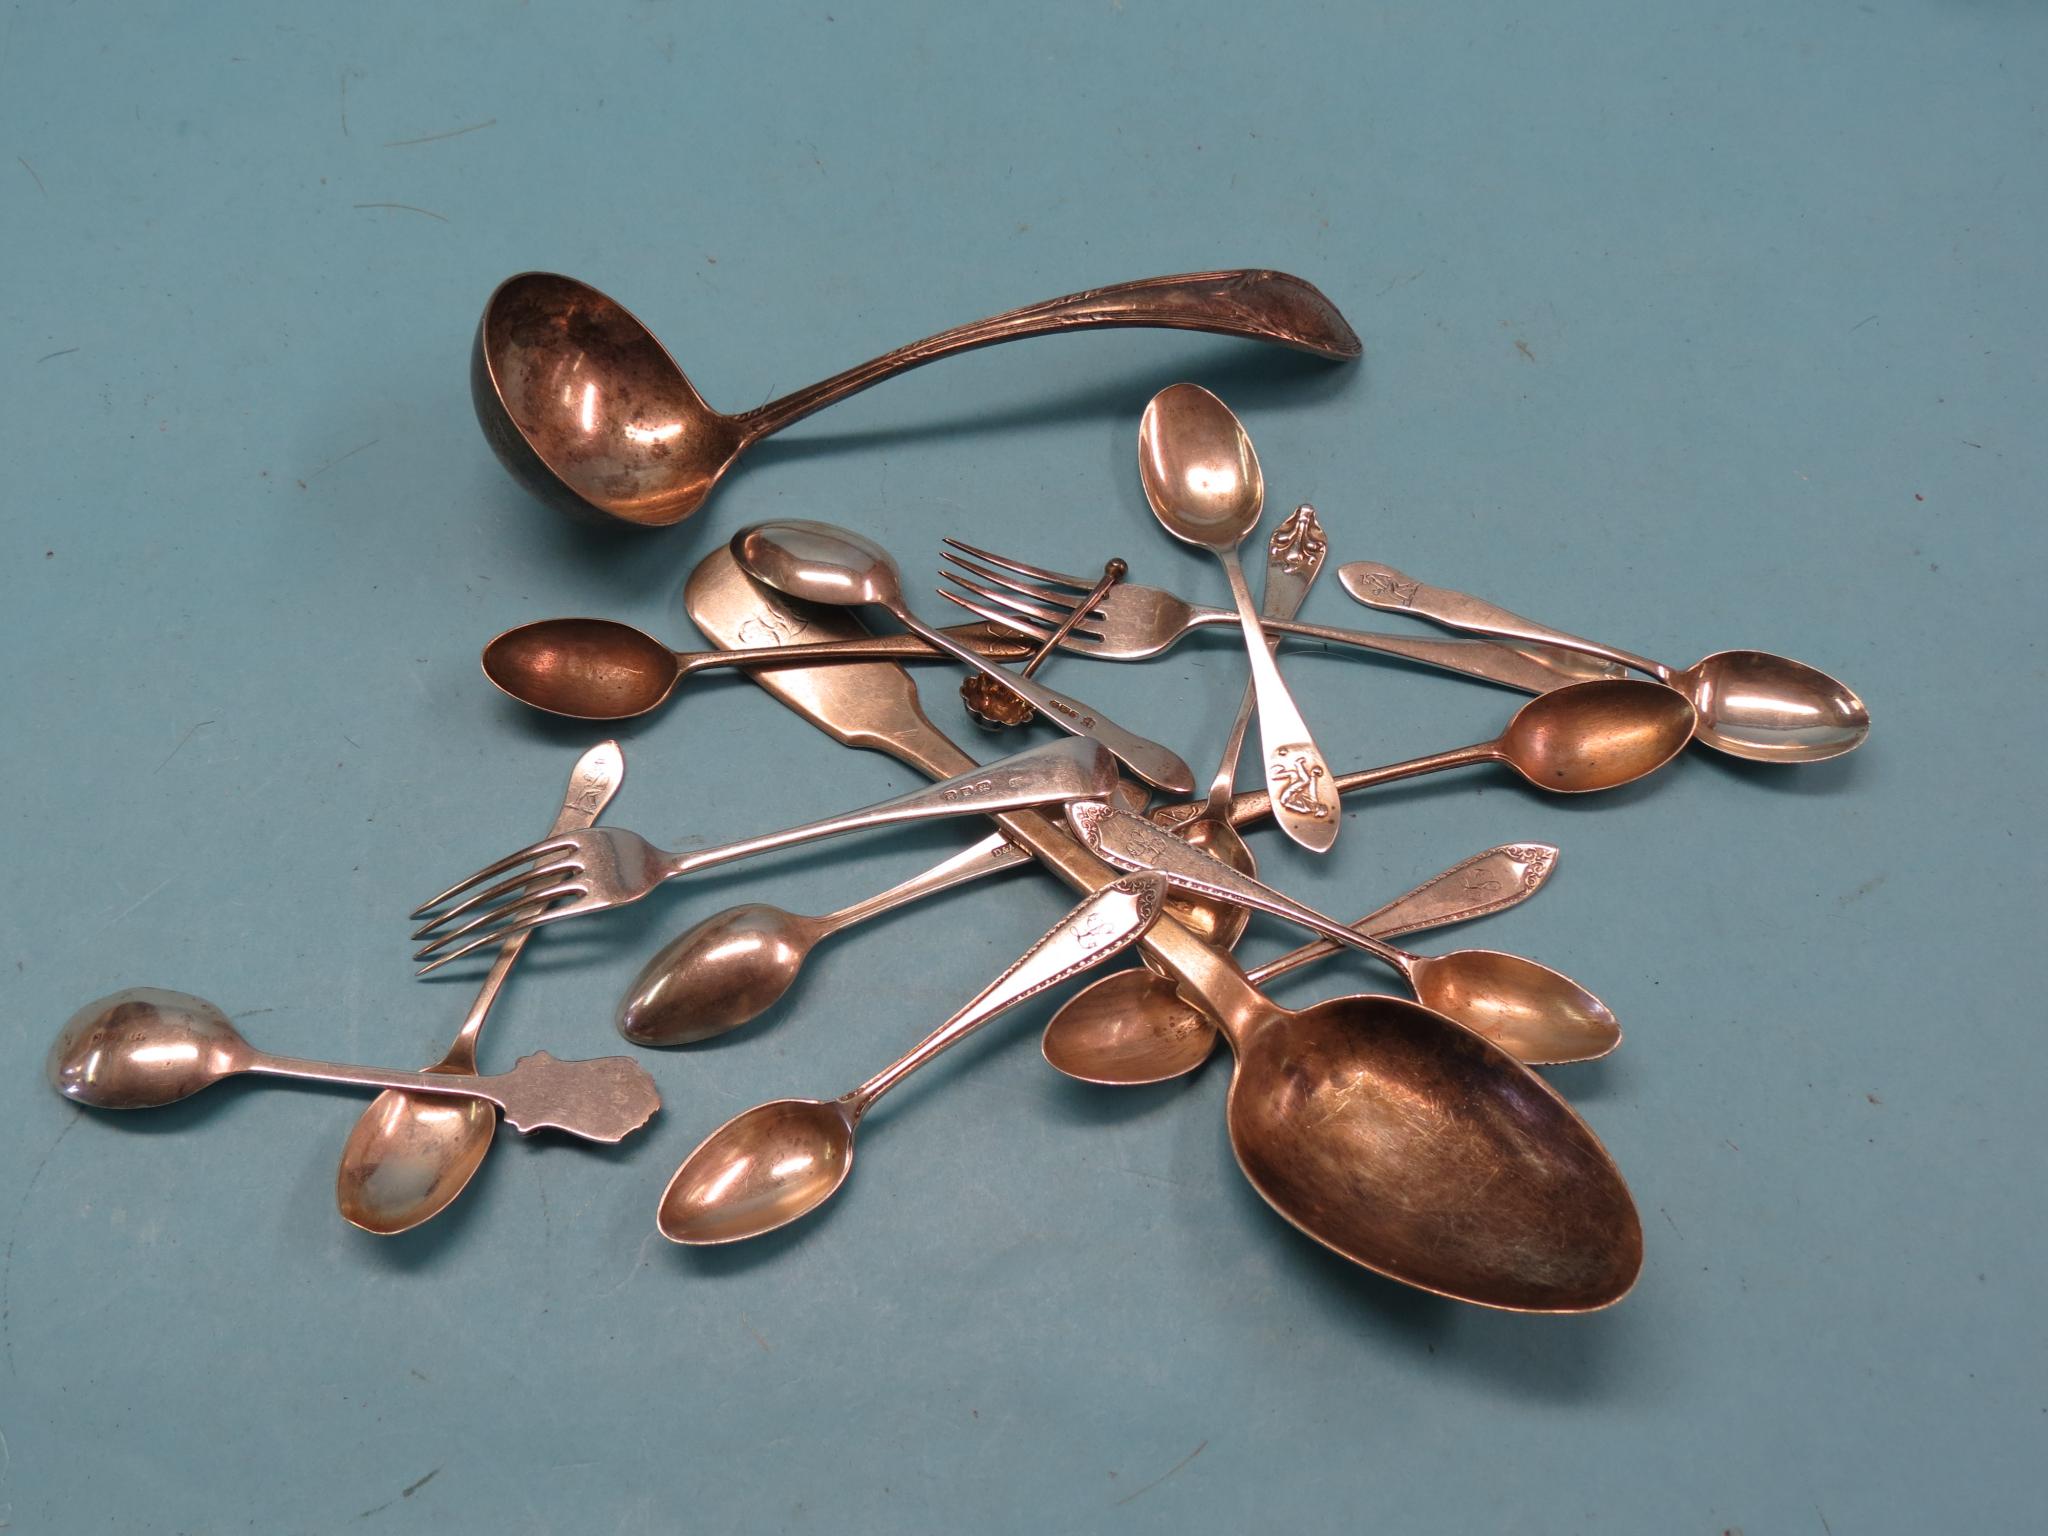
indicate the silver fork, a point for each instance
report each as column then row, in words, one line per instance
column 598, row 868
column 1135, row 623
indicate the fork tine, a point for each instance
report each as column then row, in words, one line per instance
column 539, row 876
column 1038, row 573
column 490, row 921
column 496, row 936
column 1066, row 602
column 1075, row 640
column 1024, row 605
column 523, row 856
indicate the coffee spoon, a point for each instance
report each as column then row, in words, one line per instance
column 411, row 1154
column 737, row 964
column 1752, row 704
column 818, row 563
column 1385, row 1132
column 1536, row 1014
column 1133, row 1027
column 146, row 1047
column 1294, row 558
column 592, row 415
column 597, row 669
column 1202, row 479
column 781, row 1160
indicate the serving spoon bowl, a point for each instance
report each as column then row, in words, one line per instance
column 590, row 413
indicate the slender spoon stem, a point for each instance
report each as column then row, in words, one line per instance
column 1104, row 923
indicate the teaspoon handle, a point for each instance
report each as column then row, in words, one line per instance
column 1255, row 304
column 1485, row 883
column 1257, row 804
column 993, row 853
column 980, row 638
column 1297, row 778
column 1482, row 659
column 1294, row 558
column 1155, row 764
column 1383, row 587
column 1131, row 842
column 1103, row 924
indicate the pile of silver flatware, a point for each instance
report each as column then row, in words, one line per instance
column 1408, row 1134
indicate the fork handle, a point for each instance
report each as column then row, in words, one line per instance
column 1059, row 771
column 1257, row 304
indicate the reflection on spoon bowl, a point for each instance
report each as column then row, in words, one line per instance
column 1773, row 709
column 759, row 1171
column 587, row 669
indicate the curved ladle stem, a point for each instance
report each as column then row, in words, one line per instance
column 1257, row 305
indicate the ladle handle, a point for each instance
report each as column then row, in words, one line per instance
column 1258, row 305
column 1132, row 842
column 1485, row 883
column 1104, row 923
column 1383, row 587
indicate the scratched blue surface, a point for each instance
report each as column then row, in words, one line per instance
column 1685, row 329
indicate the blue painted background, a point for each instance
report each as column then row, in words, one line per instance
column 1686, row 328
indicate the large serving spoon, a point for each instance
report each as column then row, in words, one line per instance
column 778, row 1161
column 1294, row 558
column 818, row 563
column 1202, row 479
column 1536, row 1014
column 410, row 1154
column 1395, row 1138
column 1133, row 1027
column 592, row 415
column 1752, row 704
column 146, row 1047
column 598, row 669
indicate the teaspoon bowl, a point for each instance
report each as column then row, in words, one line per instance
column 759, row 1171
column 586, row 669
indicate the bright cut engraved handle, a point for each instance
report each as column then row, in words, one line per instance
column 1132, row 842
column 1104, row 923
column 1297, row 778
column 1383, row 587
column 1259, row 305
column 1061, row 770
column 1485, row 883
column 1155, row 764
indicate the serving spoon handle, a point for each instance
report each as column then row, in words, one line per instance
column 1257, row 304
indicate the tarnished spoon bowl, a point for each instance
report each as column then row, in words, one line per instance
column 1411, row 1146
column 587, row 669
column 1533, row 1013
column 407, row 1160
column 761, row 1171
column 142, row 1048
column 1597, row 735
column 1216, row 922
column 1127, row 1029
column 713, row 977
column 588, row 411
column 1773, row 709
